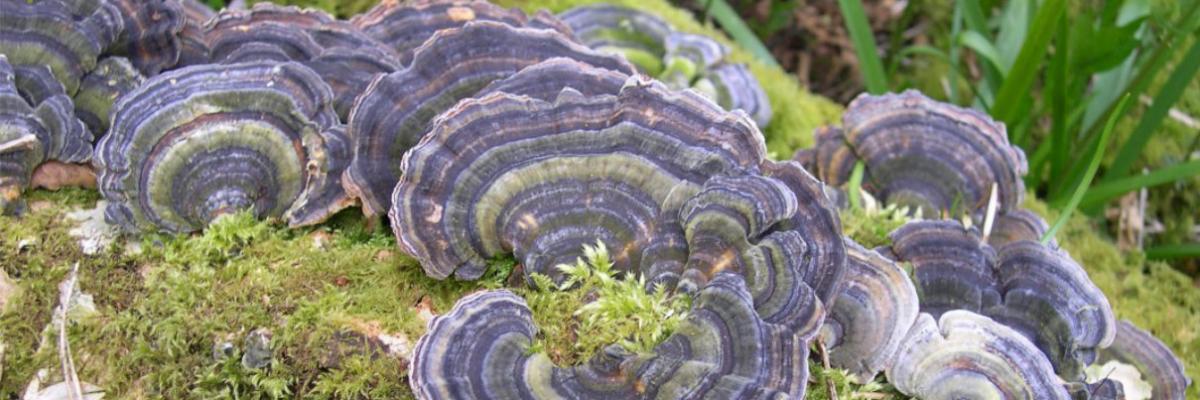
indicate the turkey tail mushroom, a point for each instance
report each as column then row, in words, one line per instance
column 396, row 110
column 195, row 143
column 1153, row 359
column 722, row 350
column 870, row 318
column 345, row 57
column 682, row 60
column 921, row 153
column 1032, row 288
column 964, row 355
column 37, row 124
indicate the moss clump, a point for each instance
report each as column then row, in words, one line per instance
column 162, row 311
column 602, row 308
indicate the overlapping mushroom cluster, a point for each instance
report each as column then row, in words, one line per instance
column 37, row 124
column 682, row 60
column 678, row 188
column 1001, row 314
column 483, row 131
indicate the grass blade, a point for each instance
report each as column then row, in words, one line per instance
column 1080, row 188
column 1153, row 118
column 1015, row 90
column 984, row 49
column 732, row 23
column 1173, row 251
column 1102, row 193
column 855, row 186
column 864, row 45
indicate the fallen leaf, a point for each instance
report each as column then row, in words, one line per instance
column 54, row 175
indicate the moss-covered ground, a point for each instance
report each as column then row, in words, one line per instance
column 172, row 316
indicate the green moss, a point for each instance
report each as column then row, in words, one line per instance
column 601, row 308
column 163, row 310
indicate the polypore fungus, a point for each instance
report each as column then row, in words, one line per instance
column 722, row 350
column 406, row 26
column 100, row 88
column 1035, row 289
column 1157, row 364
column 50, row 33
column 964, row 355
column 346, row 58
column 918, row 152
column 682, row 60
column 871, row 316
column 37, row 124
column 396, row 110
column 198, row 142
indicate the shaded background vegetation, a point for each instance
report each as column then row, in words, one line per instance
column 1083, row 56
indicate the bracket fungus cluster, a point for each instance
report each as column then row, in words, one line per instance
column 723, row 350
column 344, row 56
column 483, row 131
column 1032, row 288
column 682, row 60
column 964, row 355
column 398, row 109
column 37, row 124
column 1027, row 310
column 679, row 188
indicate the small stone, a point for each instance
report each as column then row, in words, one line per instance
column 257, row 353
column 223, row 350
column 383, row 255
column 321, row 240
column 25, row 244
column 425, row 309
column 40, row 205
column 92, row 231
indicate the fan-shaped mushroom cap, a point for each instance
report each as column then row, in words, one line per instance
column 951, row 267
column 964, row 355
column 111, row 79
column 1152, row 358
column 49, row 33
column 346, row 58
column 638, row 36
column 737, row 89
column 193, row 47
column 682, row 60
column 150, row 38
column 723, row 350
column 546, row 80
column 922, row 153
column 37, row 124
column 474, row 189
column 871, row 317
column 1049, row 298
column 1037, row 290
column 1020, row 224
column 198, row 142
column 396, row 110
column 406, row 26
